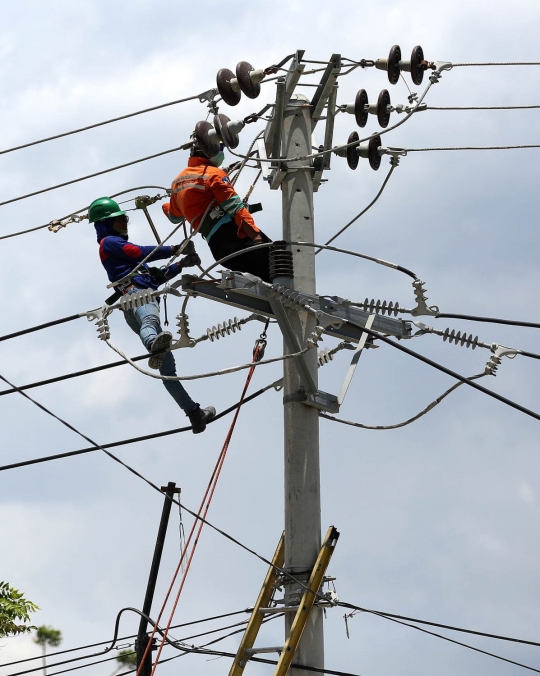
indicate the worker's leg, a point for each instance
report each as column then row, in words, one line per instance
column 225, row 241
column 145, row 321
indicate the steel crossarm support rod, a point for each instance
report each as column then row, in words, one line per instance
column 242, row 292
column 293, row 344
column 308, row 601
column 325, row 87
column 355, row 359
column 291, row 81
column 255, row 621
column 322, row 164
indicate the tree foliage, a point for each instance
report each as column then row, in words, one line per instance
column 14, row 611
column 127, row 658
column 48, row 636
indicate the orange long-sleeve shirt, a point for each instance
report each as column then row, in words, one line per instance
column 198, row 187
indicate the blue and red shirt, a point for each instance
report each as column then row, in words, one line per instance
column 119, row 257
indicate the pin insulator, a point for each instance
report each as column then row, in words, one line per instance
column 281, row 261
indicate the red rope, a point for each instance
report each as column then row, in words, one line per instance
column 204, row 507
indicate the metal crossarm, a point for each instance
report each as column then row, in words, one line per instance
column 241, row 292
column 307, row 602
column 256, row 619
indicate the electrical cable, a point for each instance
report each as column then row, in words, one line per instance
column 73, row 213
column 448, row 372
column 39, row 327
column 500, row 63
column 348, row 252
column 125, row 638
column 363, row 210
column 444, row 638
column 499, row 637
column 480, row 107
column 133, row 440
column 424, row 150
column 489, row 320
column 100, row 124
column 423, row 412
column 84, row 178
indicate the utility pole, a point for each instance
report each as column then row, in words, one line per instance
column 142, row 636
column 301, row 422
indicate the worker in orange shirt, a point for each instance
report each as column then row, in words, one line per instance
column 204, row 196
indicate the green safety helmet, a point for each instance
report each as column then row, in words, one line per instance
column 104, row 207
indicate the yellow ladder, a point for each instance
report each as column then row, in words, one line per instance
column 246, row 650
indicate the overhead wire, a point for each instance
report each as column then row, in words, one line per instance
column 481, row 107
column 488, row 320
column 446, row 638
column 450, row 627
column 73, row 213
column 517, row 147
column 423, row 412
column 133, row 440
column 449, row 372
column 88, row 176
column 100, row 124
column 125, row 638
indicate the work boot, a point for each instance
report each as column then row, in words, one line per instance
column 200, row 417
column 161, row 342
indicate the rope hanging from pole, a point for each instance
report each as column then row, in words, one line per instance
column 198, row 524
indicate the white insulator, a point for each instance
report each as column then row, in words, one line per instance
column 315, row 337
column 132, row 301
column 103, row 329
column 492, row 365
column 325, row 356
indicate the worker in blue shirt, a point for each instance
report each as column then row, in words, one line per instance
column 119, row 257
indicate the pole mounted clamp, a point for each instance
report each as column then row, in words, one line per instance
column 99, row 315
column 499, row 351
column 58, row 224
column 420, row 297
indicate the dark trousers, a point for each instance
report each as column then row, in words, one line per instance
column 226, row 241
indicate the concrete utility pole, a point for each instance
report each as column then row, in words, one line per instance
column 301, row 422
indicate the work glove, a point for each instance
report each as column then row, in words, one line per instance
column 190, row 261
column 188, row 249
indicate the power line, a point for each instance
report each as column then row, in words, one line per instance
column 498, row 63
column 489, row 320
column 73, row 213
column 39, row 327
column 125, row 638
column 441, row 626
column 448, row 372
column 132, row 440
column 424, row 150
column 481, row 107
column 445, row 638
column 423, row 412
column 84, row 178
column 101, row 124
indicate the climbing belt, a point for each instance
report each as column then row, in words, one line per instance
column 258, row 353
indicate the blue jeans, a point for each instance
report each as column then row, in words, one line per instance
column 145, row 321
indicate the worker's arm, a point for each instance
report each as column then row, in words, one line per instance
column 229, row 200
column 118, row 248
column 172, row 212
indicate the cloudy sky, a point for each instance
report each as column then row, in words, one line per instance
column 438, row 520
